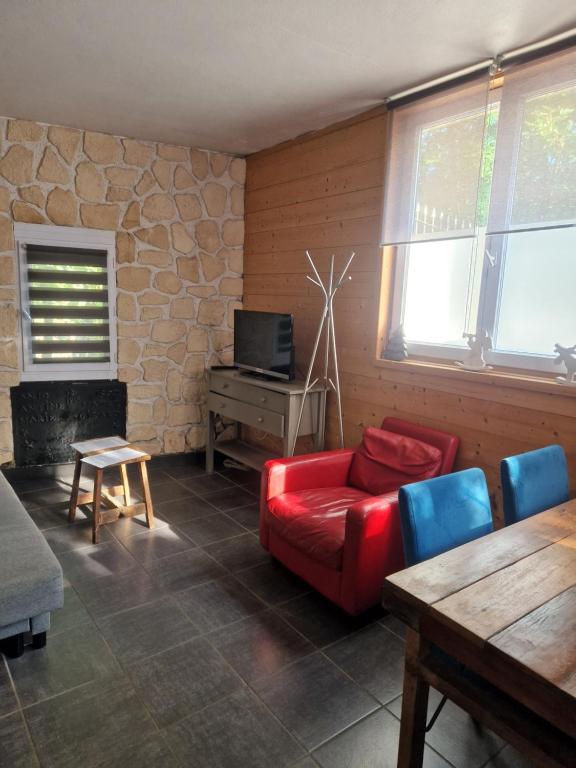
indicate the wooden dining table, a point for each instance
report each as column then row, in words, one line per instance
column 492, row 626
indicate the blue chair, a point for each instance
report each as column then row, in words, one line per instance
column 439, row 514
column 533, row 482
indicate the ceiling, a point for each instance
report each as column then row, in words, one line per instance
column 241, row 75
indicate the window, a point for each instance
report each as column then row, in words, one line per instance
column 66, row 302
column 480, row 213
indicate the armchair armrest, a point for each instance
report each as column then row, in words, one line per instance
column 312, row 470
column 372, row 550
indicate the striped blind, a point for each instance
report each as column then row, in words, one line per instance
column 68, row 304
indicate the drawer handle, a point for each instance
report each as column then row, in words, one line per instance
column 263, row 399
column 225, row 386
column 222, row 405
column 260, row 419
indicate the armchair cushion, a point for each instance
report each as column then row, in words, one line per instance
column 387, row 460
column 314, row 520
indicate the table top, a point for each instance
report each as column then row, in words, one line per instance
column 509, row 597
column 86, row 447
column 115, row 458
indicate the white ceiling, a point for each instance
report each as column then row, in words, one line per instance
column 241, row 75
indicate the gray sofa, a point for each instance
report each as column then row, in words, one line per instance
column 31, row 582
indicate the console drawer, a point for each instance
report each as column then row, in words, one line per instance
column 245, row 413
column 248, row 393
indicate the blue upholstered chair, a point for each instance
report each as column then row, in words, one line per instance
column 533, row 482
column 440, row 514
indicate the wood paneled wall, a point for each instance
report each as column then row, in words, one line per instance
column 324, row 192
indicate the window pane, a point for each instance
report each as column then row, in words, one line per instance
column 439, row 286
column 536, row 301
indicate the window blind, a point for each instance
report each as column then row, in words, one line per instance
column 67, row 304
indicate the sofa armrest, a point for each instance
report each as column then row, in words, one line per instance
column 313, row 470
column 372, row 550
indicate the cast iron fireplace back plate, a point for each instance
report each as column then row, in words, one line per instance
column 49, row 415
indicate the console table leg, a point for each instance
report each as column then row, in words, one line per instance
column 210, row 444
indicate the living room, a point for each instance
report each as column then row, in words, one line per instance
column 287, row 388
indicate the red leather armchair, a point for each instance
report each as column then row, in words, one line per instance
column 339, row 537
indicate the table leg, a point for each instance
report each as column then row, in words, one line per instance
column 210, row 444
column 75, row 489
column 126, row 484
column 414, row 706
column 96, row 507
column 147, row 496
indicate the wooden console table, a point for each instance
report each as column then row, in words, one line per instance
column 271, row 406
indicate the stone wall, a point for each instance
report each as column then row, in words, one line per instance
column 178, row 214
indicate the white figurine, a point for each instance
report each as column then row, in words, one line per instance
column 566, row 355
column 474, row 359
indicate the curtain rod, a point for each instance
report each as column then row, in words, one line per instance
column 517, row 55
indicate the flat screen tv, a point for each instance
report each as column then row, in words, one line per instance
column 263, row 343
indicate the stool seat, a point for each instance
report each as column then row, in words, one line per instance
column 115, row 458
column 88, row 447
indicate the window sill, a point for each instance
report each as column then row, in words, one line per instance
column 497, row 377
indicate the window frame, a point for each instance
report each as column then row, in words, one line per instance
column 65, row 237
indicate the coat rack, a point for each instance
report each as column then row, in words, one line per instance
column 326, row 326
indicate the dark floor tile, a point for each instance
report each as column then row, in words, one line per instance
column 157, row 543
column 126, row 527
column 168, row 491
column 185, row 472
column 374, row 658
column 254, row 739
column 206, row 530
column 72, row 614
column 260, row 645
column 141, row 632
column 156, row 476
column 371, row 743
column 314, row 699
column 185, row 570
column 35, row 483
column 96, row 725
column 55, row 496
column 95, row 562
column 8, row 701
column 50, row 517
column 394, row 625
column 230, row 498
column 205, row 484
column 182, row 510
column 455, row 735
column 248, row 516
column 183, row 680
column 71, row 658
column 238, row 553
column 111, row 594
column 64, row 538
column 218, row 603
column 321, row 621
column 16, row 749
column 273, row 583
column 306, row 763
column 241, row 476
column 510, row 758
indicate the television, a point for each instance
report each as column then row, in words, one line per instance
column 263, row 343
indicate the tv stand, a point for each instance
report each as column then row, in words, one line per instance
column 269, row 405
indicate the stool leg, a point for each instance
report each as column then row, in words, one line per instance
column 147, row 497
column 75, row 489
column 126, row 484
column 96, row 507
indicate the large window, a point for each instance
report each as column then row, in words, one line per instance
column 481, row 215
column 66, row 303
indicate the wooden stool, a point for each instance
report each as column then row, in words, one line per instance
column 90, row 448
column 118, row 458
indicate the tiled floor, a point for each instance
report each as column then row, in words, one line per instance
column 187, row 646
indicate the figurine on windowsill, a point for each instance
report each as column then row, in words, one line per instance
column 566, row 355
column 474, row 359
column 396, row 349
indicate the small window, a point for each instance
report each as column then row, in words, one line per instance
column 67, row 303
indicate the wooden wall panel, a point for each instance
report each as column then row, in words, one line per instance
column 324, row 193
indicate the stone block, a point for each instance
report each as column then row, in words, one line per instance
column 152, row 298
column 128, row 351
column 125, row 248
column 144, row 391
column 158, row 207
column 234, row 258
column 232, row 306
column 159, row 411
column 218, row 163
column 231, row 286
column 140, row 432
column 151, row 447
column 183, row 179
column 6, row 235
column 125, row 306
column 24, row 130
column 127, row 374
column 237, row 200
column 183, row 308
column 5, row 198
column 134, row 279
column 66, row 141
column 26, row 213
column 168, row 330
column 154, row 350
column 197, row 340
column 134, row 330
column 177, row 352
column 155, row 258
column 174, row 441
column 32, row 194
column 154, row 370
column 89, row 182
column 208, row 236
column 174, row 381
column 156, row 236
column 212, row 265
column 211, row 312
column 195, row 366
column 137, row 152
column 52, row 168
column 188, row 206
column 131, row 218
column 118, row 194
column 147, row 181
column 187, row 268
column 181, row 240
column 233, row 232
column 103, row 216
column 167, row 282
column 121, row 177
column 151, row 313
column 8, row 322
column 237, row 170
column 222, row 339
column 8, row 354
column 214, row 196
column 7, row 270
column 172, row 152
column 199, row 163
column 102, row 148
column 183, row 414
column 139, row 413
column 61, row 207
column 5, row 406
column 201, row 291
column 162, row 171
column 16, row 165
column 196, row 437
